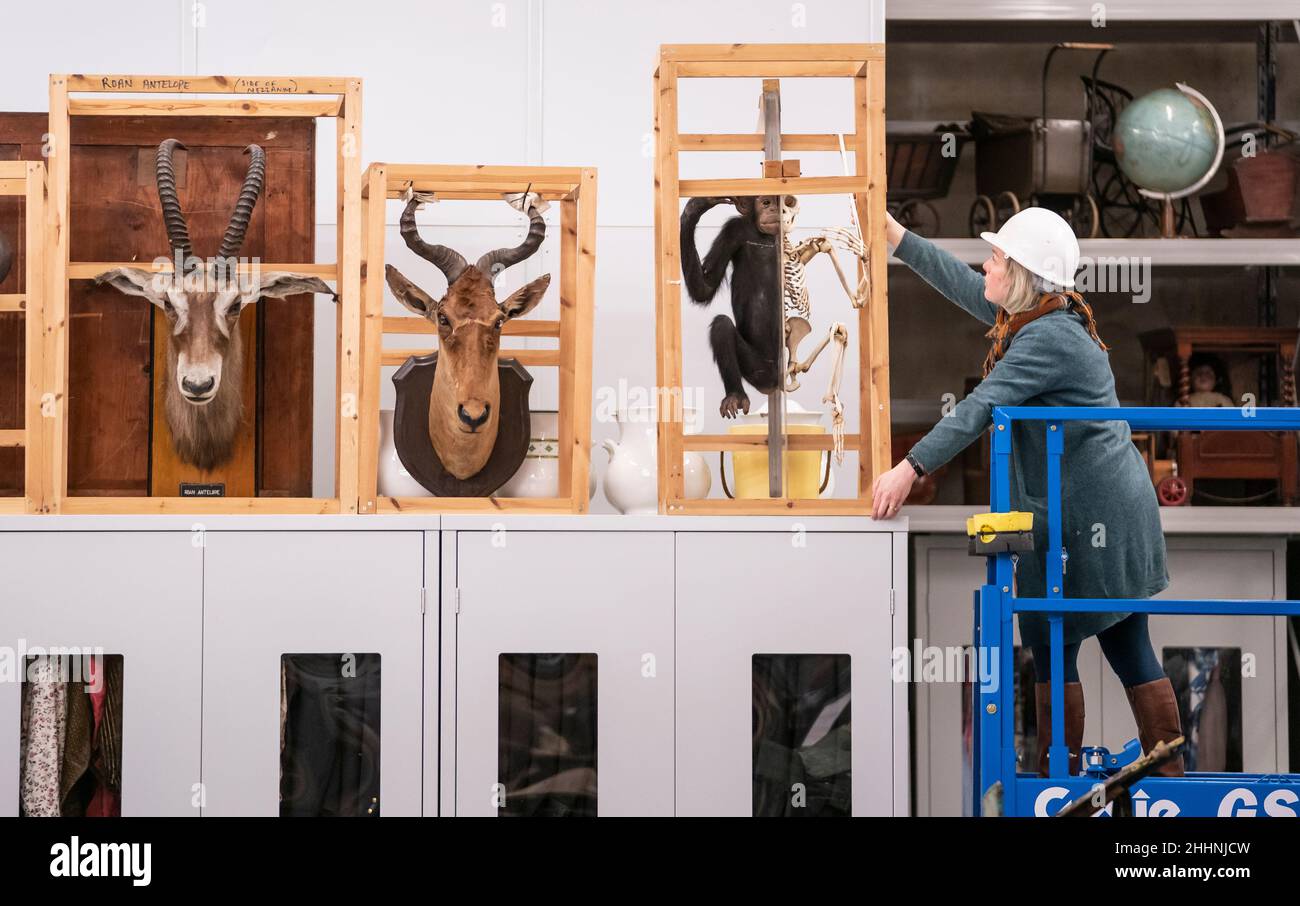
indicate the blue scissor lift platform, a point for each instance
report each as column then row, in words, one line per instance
column 993, row 754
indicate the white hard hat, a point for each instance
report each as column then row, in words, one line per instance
column 1042, row 242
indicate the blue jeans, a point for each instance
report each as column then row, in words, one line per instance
column 1126, row 645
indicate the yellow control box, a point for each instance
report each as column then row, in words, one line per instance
column 998, row 533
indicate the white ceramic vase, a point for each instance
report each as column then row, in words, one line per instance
column 393, row 479
column 539, row 474
column 632, row 480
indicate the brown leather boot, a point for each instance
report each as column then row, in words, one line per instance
column 1073, row 723
column 1155, row 708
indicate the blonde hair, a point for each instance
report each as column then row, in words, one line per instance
column 1024, row 288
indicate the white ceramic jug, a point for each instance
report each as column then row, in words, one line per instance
column 632, row 480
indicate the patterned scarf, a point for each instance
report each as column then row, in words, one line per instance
column 1007, row 325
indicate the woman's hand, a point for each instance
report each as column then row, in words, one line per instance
column 893, row 230
column 889, row 490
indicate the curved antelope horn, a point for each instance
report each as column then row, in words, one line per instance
column 248, row 193
column 449, row 261
column 178, row 234
column 494, row 262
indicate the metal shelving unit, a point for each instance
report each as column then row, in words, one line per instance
column 1264, row 23
column 1162, row 252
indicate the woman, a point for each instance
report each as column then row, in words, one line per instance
column 1046, row 352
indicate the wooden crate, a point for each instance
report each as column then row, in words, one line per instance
column 28, row 180
column 574, row 188
column 281, row 96
column 865, row 65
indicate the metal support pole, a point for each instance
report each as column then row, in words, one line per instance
column 771, row 106
column 1266, row 42
column 999, row 628
column 1054, row 574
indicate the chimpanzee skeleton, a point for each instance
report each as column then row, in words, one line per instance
column 798, row 307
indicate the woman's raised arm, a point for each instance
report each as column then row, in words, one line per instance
column 944, row 271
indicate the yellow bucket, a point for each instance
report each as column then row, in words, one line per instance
column 802, row 470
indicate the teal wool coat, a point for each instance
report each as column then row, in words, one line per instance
column 1110, row 518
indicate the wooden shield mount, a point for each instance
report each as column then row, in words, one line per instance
column 414, row 383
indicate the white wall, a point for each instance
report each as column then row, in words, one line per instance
column 552, row 82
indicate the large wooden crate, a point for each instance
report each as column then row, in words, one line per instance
column 865, row 65
column 27, row 180
column 220, row 96
column 574, row 188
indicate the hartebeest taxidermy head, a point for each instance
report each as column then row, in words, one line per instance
column 464, row 406
column 203, row 401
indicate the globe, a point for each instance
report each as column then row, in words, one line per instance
column 1166, row 141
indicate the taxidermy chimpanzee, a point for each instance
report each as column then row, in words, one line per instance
column 749, row 348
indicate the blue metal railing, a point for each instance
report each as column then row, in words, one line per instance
column 994, row 746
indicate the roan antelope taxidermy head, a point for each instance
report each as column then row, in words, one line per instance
column 465, row 402
column 205, row 357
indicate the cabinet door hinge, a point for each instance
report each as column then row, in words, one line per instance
column 458, row 599
column 424, row 600
column 891, row 602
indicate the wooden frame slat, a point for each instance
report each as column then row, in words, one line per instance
column 770, row 53
column 215, row 84
column 55, row 346
column 697, row 141
column 768, row 69
column 575, row 189
column 794, row 185
column 481, row 174
column 204, row 107
column 874, row 452
column 348, row 317
column 264, row 96
column 864, row 63
column 144, row 506
column 542, row 358
column 480, row 194
column 751, row 442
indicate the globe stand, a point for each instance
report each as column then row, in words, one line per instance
column 1168, row 222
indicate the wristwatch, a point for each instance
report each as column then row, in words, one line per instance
column 920, row 472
